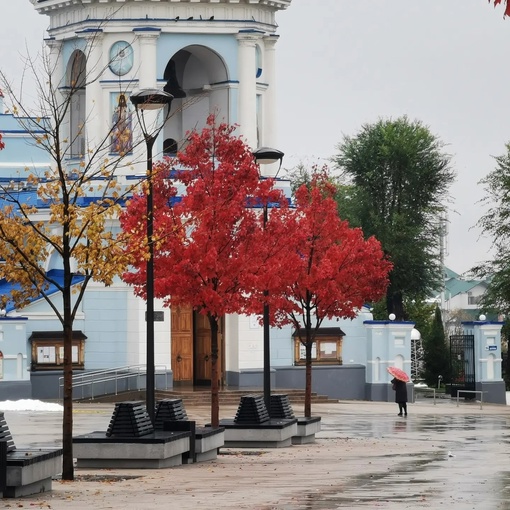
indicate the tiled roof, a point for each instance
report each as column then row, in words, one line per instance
column 56, row 274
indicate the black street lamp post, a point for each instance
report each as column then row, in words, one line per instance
column 265, row 156
column 150, row 99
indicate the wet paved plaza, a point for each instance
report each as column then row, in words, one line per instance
column 468, row 466
column 365, row 457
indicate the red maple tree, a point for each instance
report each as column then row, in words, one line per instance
column 205, row 243
column 337, row 270
column 507, row 8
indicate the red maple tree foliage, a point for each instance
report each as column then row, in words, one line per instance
column 336, row 273
column 206, row 242
column 507, row 8
column 231, row 244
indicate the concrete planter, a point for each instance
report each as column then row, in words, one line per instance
column 207, row 443
column 270, row 434
column 153, row 451
column 30, row 471
column 306, row 430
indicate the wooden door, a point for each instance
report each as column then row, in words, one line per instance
column 182, row 344
column 203, row 350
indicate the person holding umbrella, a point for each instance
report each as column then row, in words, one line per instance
column 398, row 383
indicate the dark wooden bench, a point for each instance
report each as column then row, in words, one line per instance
column 25, row 471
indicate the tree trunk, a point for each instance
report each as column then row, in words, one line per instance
column 308, row 379
column 308, row 351
column 67, row 423
column 395, row 304
column 67, row 323
column 215, row 398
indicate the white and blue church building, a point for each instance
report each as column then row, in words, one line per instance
column 213, row 57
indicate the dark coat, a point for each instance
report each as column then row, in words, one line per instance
column 400, row 390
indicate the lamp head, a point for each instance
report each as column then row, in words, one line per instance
column 151, row 99
column 266, row 155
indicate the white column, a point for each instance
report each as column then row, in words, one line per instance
column 147, row 67
column 146, row 73
column 94, row 94
column 58, row 72
column 56, row 63
column 148, row 78
column 247, row 102
column 268, row 137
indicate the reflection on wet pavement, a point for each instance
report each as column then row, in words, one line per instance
column 463, row 474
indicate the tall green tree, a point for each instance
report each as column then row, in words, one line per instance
column 421, row 312
column 400, row 175
column 495, row 223
column 437, row 354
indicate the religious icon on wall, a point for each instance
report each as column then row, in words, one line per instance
column 122, row 133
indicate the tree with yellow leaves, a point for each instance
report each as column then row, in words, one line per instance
column 67, row 211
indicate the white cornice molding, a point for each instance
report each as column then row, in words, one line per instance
column 46, row 6
column 170, row 16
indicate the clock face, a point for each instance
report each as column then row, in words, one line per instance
column 121, row 58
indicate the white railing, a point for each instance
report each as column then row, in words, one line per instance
column 109, row 379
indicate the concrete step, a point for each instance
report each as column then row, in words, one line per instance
column 233, row 397
column 202, row 396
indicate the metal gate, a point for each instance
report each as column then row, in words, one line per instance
column 462, row 364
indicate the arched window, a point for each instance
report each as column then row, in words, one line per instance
column 199, row 74
column 258, row 60
column 76, row 80
column 399, row 361
column 19, row 366
column 170, row 147
column 377, row 369
column 490, row 367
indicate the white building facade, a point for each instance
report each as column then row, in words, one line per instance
column 213, row 57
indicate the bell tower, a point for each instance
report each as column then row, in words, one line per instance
column 213, row 57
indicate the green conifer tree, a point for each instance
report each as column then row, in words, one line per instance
column 437, row 353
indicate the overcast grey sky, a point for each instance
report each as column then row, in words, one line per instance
column 343, row 63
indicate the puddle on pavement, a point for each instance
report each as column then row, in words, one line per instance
column 414, row 481
column 433, row 425
column 452, row 475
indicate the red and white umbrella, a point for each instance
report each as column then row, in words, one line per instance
column 399, row 374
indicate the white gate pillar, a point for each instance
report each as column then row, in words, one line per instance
column 487, row 353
